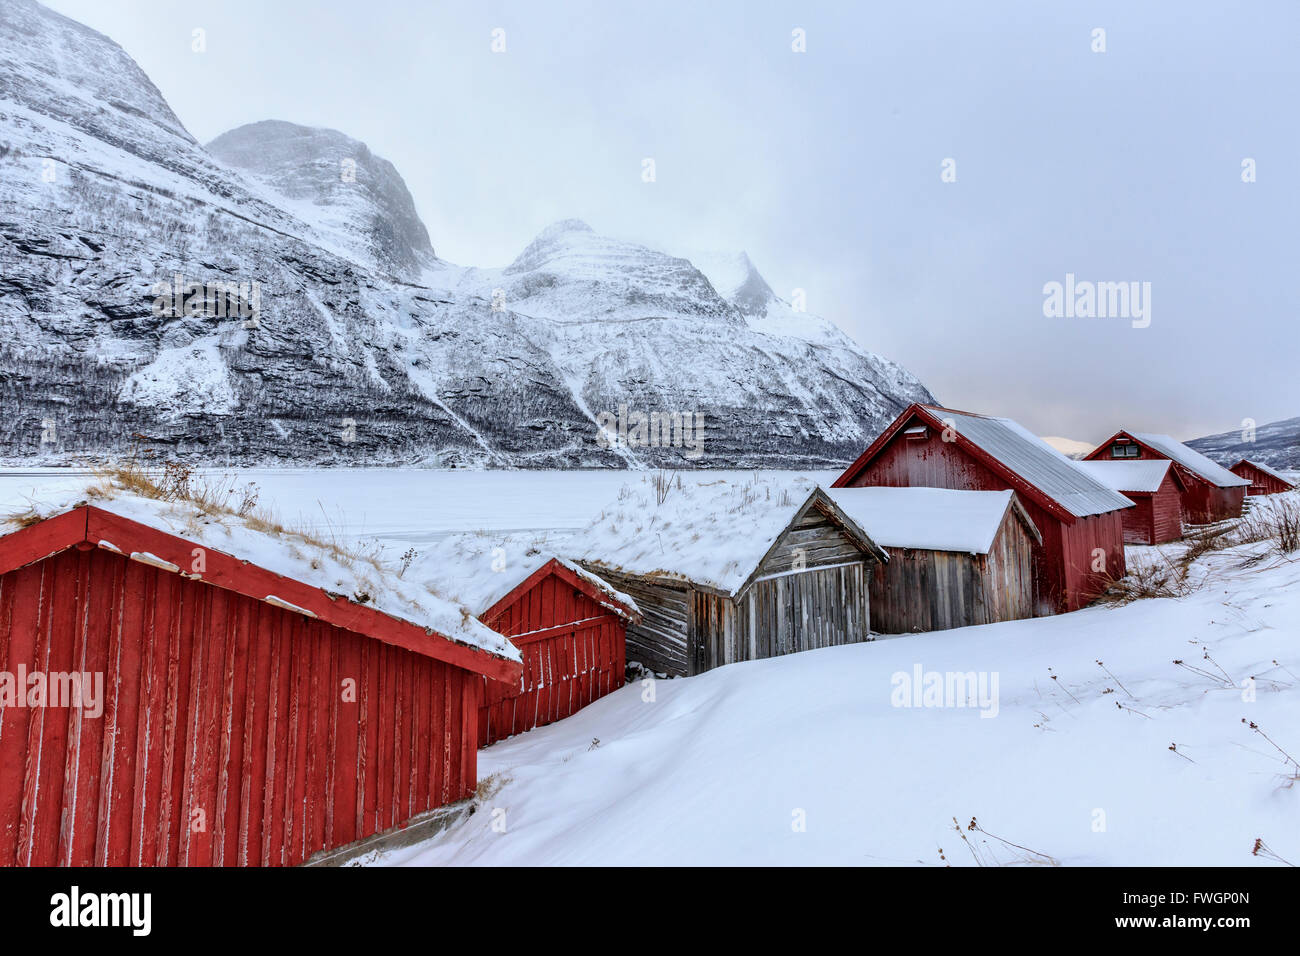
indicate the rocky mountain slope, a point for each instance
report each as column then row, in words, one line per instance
column 1276, row 444
column 355, row 344
column 357, row 200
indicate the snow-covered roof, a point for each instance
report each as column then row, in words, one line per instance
column 1036, row 462
column 285, row 553
column 710, row 533
column 933, row 519
column 1265, row 469
column 1190, row 459
column 1137, row 475
column 478, row 570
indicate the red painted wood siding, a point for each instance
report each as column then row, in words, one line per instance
column 1157, row 517
column 1202, row 502
column 217, row 703
column 1166, row 512
column 1080, row 543
column 1062, row 564
column 1138, row 522
column 1261, row 482
column 574, row 652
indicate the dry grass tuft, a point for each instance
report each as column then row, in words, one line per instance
column 1201, row 543
column 25, row 518
column 989, row 849
column 1162, row 579
column 662, row 482
column 221, row 497
column 491, row 785
column 1277, row 522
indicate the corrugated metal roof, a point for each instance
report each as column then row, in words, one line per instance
column 1036, row 462
column 1136, row 475
column 1214, row 473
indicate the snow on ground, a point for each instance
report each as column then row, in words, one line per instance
column 410, row 506
column 717, row 768
column 1073, row 761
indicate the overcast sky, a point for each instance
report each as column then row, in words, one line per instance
column 826, row 166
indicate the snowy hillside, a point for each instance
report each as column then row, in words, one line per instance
column 1276, row 444
column 366, row 349
column 1110, row 736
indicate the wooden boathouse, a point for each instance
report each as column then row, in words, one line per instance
column 956, row 558
column 732, row 571
column 569, row 625
column 249, row 715
column 1078, row 517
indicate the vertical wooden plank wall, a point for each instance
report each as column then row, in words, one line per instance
column 228, row 736
column 782, row 614
column 574, row 652
column 1063, row 579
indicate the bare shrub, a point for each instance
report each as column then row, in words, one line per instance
column 1277, row 522
column 1163, row 579
column 1201, row 543
column 175, row 483
column 409, row 555
column 248, row 500
column 989, row 849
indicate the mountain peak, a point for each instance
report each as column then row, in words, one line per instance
column 317, row 235
column 564, row 225
column 356, row 201
column 63, row 69
column 737, row 280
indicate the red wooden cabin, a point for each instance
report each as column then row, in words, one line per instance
column 1210, row 491
column 246, row 718
column 569, row 625
column 1155, row 487
column 1079, row 518
column 572, row 632
column 1263, row 479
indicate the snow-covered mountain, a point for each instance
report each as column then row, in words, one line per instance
column 1276, row 444
column 364, row 347
column 356, row 200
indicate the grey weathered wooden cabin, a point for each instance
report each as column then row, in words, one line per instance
column 956, row 558
column 800, row 582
